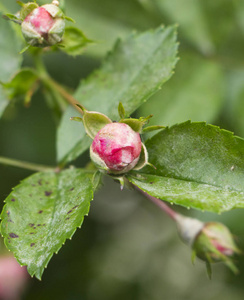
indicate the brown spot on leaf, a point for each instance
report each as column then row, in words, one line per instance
column 8, row 212
column 31, row 224
column 40, row 182
column 40, row 211
column 72, row 189
column 13, row 200
column 48, row 193
column 13, row 235
column 72, row 209
column 32, row 244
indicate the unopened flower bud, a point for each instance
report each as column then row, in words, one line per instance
column 116, row 148
column 44, row 26
column 214, row 243
column 210, row 241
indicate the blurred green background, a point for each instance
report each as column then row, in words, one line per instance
column 127, row 248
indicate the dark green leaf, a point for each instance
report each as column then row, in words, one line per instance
column 197, row 165
column 134, row 71
column 42, row 212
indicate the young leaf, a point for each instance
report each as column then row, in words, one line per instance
column 74, row 41
column 197, row 165
column 42, row 212
column 132, row 72
column 24, row 83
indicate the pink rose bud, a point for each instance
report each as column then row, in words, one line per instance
column 116, row 148
column 13, row 278
column 44, row 26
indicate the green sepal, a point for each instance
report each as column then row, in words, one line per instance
column 12, row 17
column 69, row 19
column 24, row 49
column 94, row 121
column 82, row 108
column 143, row 160
column 152, row 128
column 74, row 41
column 232, row 266
column 209, row 269
column 97, row 180
column 193, row 256
column 136, row 124
column 77, row 119
column 26, row 9
column 121, row 111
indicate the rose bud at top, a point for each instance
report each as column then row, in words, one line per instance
column 44, row 26
column 116, row 148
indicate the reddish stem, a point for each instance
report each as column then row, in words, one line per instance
column 170, row 212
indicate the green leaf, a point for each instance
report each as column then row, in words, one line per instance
column 10, row 59
column 192, row 22
column 234, row 108
column 134, row 71
column 74, row 41
column 108, row 21
column 42, row 212
column 197, row 165
column 24, row 83
column 195, row 92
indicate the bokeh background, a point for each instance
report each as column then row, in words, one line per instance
column 127, row 248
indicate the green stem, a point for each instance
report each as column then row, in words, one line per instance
column 52, row 85
column 25, row 165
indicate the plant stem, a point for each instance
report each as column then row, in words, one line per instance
column 25, row 165
column 170, row 212
column 52, row 84
column 69, row 98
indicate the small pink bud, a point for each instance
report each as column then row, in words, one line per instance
column 116, row 148
column 44, row 26
column 13, row 278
